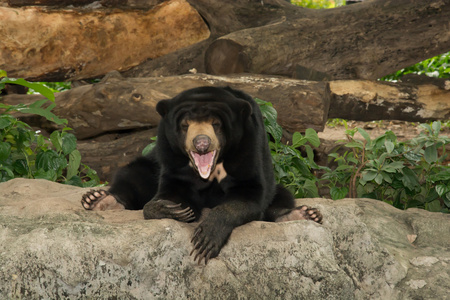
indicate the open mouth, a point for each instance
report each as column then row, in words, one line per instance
column 204, row 163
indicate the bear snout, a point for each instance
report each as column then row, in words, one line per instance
column 202, row 143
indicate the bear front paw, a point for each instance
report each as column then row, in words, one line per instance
column 208, row 241
column 160, row 209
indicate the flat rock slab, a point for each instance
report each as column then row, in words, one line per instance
column 51, row 248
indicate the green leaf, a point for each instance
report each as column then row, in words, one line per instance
column 69, row 143
column 41, row 89
column 5, row 150
column 364, row 134
column 386, row 177
column 310, row 187
column 338, row 192
column 148, row 149
column 442, row 189
column 431, row 154
column 434, row 206
column 9, row 173
column 312, row 137
column 48, row 175
column 310, row 156
column 344, row 168
column 74, row 180
column 21, row 167
column 426, row 126
column 396, row 165
column 298, row 140
column 379, row 179
column 369, row 176
column 36, row 108
column 443, row 175
column 50, row 160
column 74, row 163
column 389, row 146
column 2, row 73
column 4, row 122
column 355, row 144
column 436, row 127
column 447, row 200
column 56, row 140
column 410, row 179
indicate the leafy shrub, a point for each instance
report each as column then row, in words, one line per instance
column 291, row 169
column 403, row 174
column 438, row 66
column 26, row 153
column 318, row 4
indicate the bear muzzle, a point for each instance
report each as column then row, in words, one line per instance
column 202, row 143
column 203, row 158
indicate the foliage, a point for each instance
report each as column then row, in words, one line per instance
column 438, row 66
column 149, row 147
column 55, row 87
column 318, row 4
column 291, row 169
column 26, row 153
column 404, row 174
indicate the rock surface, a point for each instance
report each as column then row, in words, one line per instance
column 50, row 248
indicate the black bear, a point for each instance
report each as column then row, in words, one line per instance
column 212, row 152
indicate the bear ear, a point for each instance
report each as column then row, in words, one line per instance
column 245, row 109
column 163, row 107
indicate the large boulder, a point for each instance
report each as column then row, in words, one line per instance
column 51, row 248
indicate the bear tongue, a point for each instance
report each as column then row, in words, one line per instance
column 204, row 162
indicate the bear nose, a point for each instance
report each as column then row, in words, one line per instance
column 202, row 143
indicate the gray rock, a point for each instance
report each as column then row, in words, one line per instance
column 51, row 248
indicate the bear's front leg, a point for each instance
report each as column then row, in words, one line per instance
column 212, row 234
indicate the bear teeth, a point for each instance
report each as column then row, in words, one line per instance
column 204, row 163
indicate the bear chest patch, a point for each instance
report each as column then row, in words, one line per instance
column 219, row 173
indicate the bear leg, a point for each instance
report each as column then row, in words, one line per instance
column 100, row 200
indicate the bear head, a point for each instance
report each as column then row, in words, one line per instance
column 202, row 124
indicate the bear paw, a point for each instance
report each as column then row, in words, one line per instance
column 100, row 200
column 302, row 212
column 208, row 240
column 160, row 209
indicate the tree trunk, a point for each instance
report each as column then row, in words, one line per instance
column 67, row 44
column 361, row 41
column 118, row 104
column 362, row 100
column 111, row 152
column 366, row 40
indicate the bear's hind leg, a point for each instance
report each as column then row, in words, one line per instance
column 100, row 200
column 283, row 209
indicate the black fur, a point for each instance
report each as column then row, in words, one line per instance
column 166, row 186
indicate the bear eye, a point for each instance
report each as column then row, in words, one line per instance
column 216, row 124
column 184, row 125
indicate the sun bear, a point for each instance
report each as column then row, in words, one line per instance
column 211, row 152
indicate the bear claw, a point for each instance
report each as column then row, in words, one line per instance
column 100, row 200
column 160, row 209
column 91, row 198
